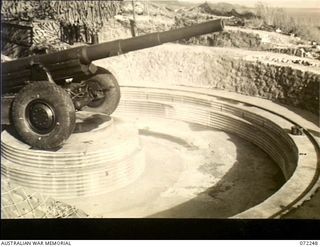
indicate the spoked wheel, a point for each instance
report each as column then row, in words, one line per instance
column 107, row 91
column 43, row 115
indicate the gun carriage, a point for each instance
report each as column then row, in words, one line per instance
column 41, row 94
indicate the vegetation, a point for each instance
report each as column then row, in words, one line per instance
column 299, row 22
column 305, row 27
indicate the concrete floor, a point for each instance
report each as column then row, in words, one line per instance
column 191, row 171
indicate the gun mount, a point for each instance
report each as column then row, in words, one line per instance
column 42, row 93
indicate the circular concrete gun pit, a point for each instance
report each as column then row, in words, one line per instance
column 176, row 152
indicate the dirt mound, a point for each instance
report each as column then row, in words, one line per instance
column 237, row 39
column 247, row 72
column 224, row 9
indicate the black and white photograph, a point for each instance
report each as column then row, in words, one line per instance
column 173, row 109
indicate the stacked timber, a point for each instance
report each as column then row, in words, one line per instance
column 45, row 31
column 92, row 14
column 97, row 11
column 18, row 33
column 14, row 51
column 46, row 36
column 47, row 18
column 18, row 10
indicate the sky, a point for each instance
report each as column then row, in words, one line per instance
column 273, row 3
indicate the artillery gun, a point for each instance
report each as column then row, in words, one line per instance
column 41, row 94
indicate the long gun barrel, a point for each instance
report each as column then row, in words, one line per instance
column 87, row 54
column 42, row 93
column 122, row 46
column 76, row 61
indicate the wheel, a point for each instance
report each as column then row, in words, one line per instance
column 43, row 115
column 106, row 84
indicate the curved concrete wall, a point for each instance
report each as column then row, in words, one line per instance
column 261, row 74
column 259, row 130
column 262, row 127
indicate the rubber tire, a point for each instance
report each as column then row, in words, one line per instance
column 64, row 111
column 112, row 96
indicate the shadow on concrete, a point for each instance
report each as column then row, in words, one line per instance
column 249, row 182
column 91, row 123
column 171, row 138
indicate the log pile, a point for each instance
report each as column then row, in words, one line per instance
column 18, row 10
column 28, row 39
column 93, row 14
column 46, row 36
column 45, row 31
column 14, row 51
column 17, row 33
column 47, row 18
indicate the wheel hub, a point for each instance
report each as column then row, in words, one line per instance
column 40, row 116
